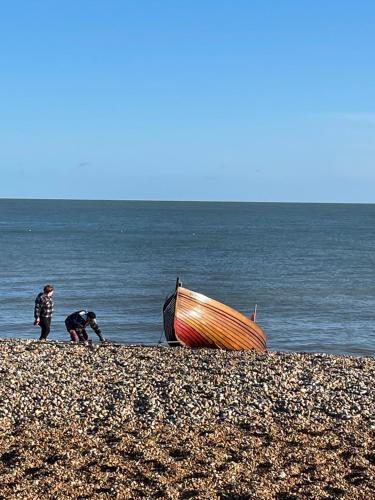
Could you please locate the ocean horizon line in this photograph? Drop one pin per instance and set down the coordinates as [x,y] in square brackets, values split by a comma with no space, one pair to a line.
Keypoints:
[140,200]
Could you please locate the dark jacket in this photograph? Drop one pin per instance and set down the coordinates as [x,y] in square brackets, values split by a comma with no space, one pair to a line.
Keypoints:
[78,321]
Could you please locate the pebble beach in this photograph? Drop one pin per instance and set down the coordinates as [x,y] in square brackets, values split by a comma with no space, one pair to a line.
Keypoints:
[112,421]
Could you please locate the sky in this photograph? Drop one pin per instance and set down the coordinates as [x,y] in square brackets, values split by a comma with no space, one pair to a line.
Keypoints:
[228,100]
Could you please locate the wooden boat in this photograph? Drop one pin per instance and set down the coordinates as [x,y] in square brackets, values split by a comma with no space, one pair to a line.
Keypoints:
[194,320]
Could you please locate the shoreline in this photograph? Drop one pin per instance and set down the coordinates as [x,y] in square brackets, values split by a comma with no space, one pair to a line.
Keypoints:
[114,421]
[358,353]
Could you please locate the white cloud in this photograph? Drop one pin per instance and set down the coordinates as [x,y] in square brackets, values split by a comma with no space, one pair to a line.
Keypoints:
[364,118]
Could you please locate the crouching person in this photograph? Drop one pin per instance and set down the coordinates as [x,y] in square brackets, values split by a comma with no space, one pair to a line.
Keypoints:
[77,322]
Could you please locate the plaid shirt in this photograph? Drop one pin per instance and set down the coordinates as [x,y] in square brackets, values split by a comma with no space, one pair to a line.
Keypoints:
[43,306]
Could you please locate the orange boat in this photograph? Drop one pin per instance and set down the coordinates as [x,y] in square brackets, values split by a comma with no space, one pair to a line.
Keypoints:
[194,320]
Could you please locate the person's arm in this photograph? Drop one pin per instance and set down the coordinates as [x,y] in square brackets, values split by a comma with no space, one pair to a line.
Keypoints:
[38,305]
[94,325]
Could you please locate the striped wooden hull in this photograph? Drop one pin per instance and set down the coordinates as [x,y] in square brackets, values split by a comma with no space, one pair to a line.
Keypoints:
[194,320]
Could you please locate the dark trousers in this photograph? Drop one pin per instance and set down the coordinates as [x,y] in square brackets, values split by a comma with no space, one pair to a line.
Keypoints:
[75,333]
[45,325]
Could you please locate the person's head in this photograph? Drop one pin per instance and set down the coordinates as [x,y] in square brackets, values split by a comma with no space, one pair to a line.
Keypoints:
[48,289]
[91,315]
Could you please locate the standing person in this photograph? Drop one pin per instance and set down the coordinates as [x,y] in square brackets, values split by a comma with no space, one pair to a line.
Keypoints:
[43,311]
[77,322]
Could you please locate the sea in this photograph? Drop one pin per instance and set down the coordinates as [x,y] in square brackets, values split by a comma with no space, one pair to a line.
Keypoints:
[310,268]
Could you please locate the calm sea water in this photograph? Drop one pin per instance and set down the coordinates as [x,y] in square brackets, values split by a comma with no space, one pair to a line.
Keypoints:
[310,267]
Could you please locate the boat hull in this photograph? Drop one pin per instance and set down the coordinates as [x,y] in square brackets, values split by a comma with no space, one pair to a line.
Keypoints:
[194,320]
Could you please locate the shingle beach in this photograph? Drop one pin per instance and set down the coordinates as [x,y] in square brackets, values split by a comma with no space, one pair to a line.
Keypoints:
[110,421]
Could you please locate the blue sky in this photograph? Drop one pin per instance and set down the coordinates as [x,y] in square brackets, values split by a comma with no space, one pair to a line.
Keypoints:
[199,100]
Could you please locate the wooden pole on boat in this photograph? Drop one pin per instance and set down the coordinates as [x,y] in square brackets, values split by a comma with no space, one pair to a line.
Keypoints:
[254,315]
